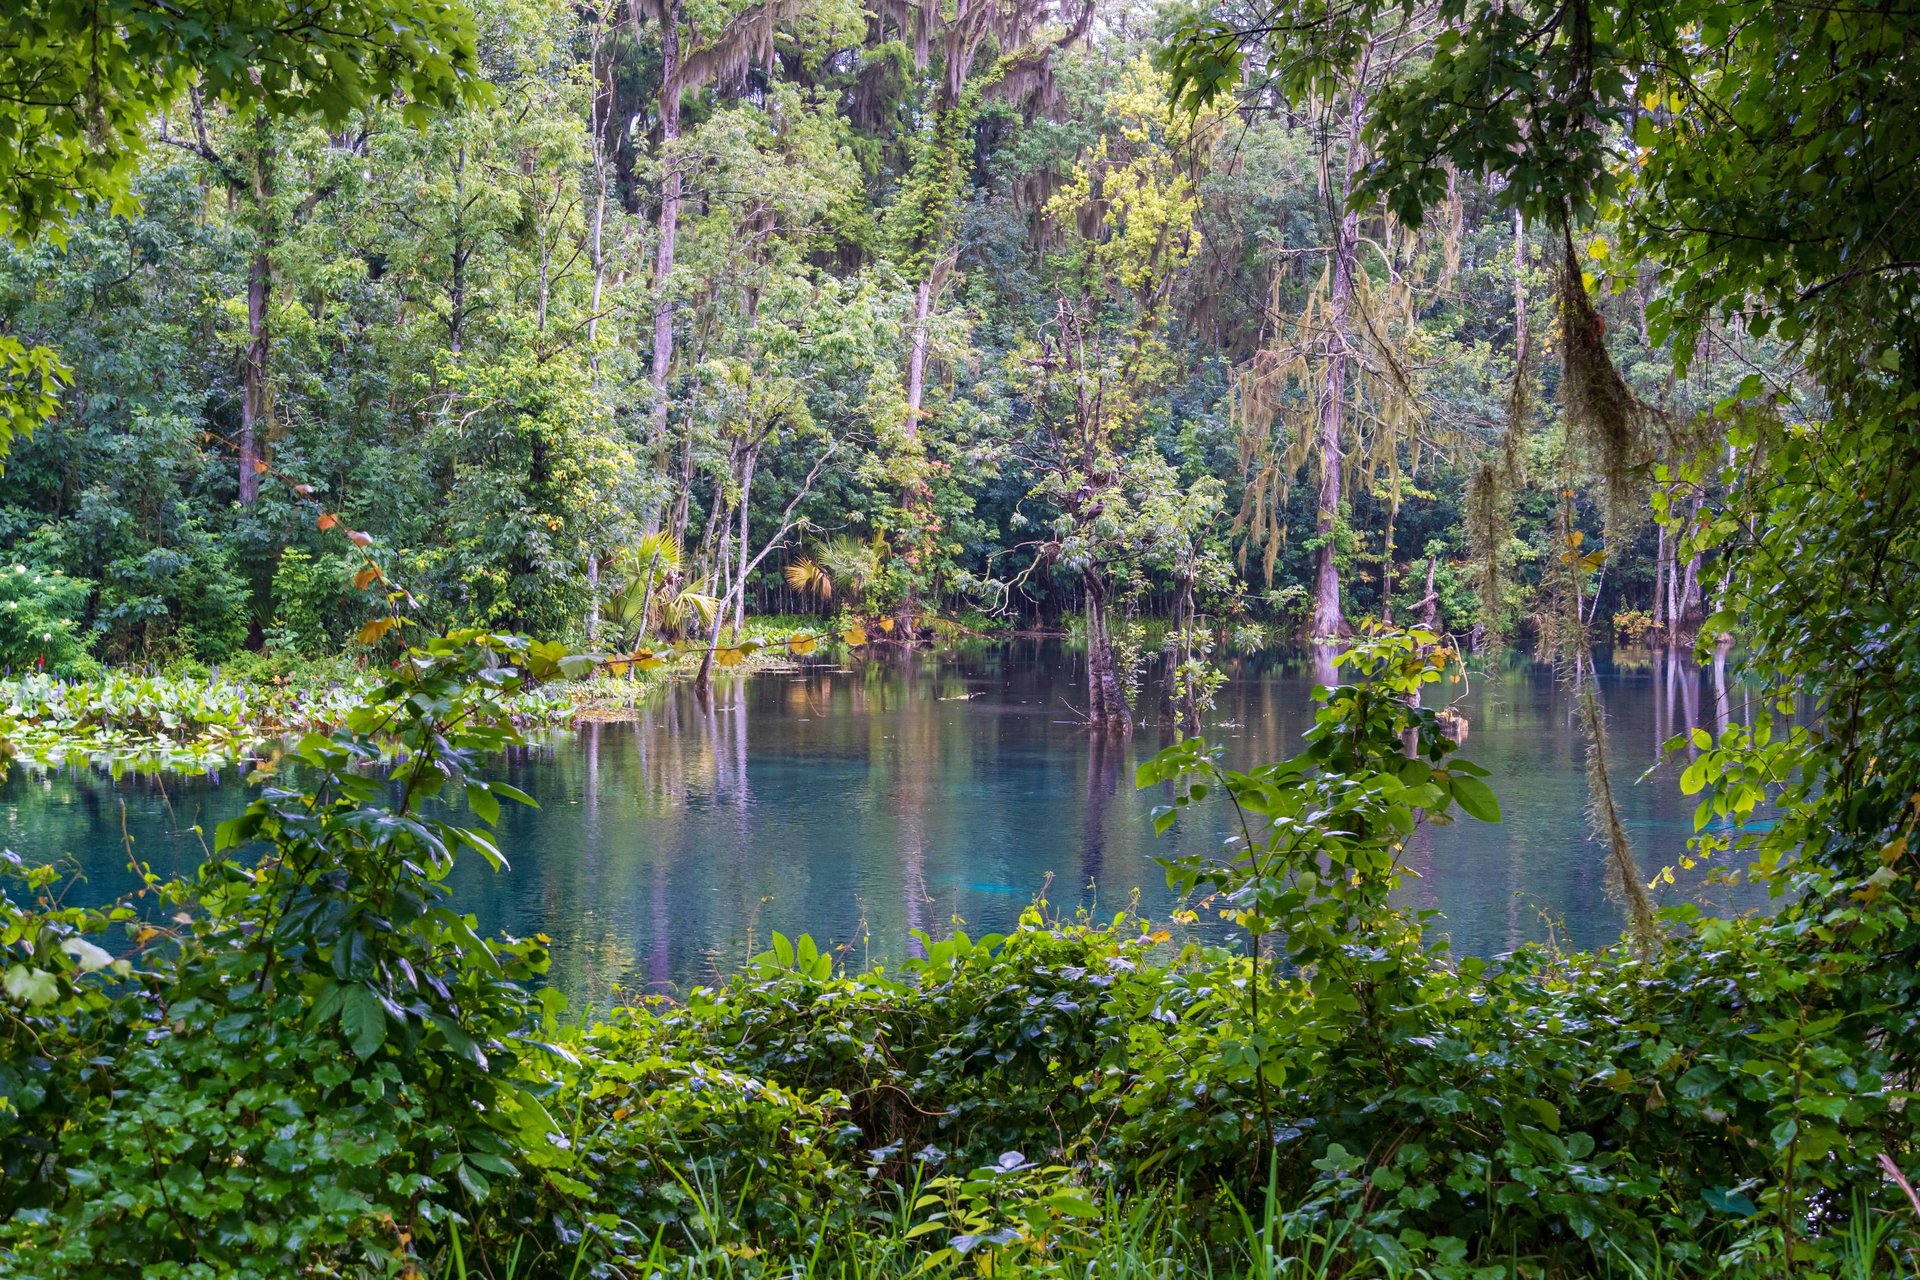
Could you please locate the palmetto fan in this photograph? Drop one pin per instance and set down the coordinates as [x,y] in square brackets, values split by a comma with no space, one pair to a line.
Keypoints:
[649,596]
[845,564]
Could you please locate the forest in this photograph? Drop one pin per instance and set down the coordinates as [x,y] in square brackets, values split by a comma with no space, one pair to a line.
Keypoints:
[389,385]
[884,315]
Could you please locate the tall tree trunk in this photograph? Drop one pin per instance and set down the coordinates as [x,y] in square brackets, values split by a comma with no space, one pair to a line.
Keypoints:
[253,375]
[678,520]
[1691,614]
[1660,582]
[670,86]
[917,356]
[1328,617]
[462,250]
[1519,289]
[1386,555]
[253,366]
[1673,587]
[746,549]
[602,178]
[1106,696]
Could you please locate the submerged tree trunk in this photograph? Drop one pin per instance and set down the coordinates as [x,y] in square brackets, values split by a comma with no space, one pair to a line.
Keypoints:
[1183,703]
[1106,694]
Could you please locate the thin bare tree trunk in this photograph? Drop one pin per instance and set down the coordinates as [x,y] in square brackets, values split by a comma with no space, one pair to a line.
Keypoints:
[1673,588]
[253,372]
[1660,581]
[1519,289]
[746,488]
[1690,615]
[1106,697]
[461,251]
[253,361]
[1328,617]
[917,356]
[1429,610]
[670,87]
[602,102]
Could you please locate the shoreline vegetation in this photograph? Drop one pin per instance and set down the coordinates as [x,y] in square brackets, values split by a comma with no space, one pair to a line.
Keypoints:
[352,1082]
[191,718]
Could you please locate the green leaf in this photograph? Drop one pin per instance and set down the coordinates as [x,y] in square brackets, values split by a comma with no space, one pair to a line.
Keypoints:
[33,987]
[1728,1200]
[364,1021]
[1074,1204]
[485,805]
[471,1178]
[1476,797]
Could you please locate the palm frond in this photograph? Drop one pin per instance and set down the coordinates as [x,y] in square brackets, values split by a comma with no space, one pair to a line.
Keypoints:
[805,574]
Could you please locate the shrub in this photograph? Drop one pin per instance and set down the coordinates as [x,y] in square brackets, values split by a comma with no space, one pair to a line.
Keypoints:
[40,621]
[313,601]
[1633,625]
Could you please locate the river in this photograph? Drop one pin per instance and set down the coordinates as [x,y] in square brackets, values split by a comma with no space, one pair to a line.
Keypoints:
[861,801]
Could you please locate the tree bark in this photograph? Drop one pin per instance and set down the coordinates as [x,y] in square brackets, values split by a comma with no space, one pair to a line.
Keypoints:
[1690,615]
[1328,617]
[1660,581]
[602,179]
[1106,697]
[670,87]
[253,376]
[462,250]
[1519,290]
[746,489]
[917,356]
[1429,610]
[253,365]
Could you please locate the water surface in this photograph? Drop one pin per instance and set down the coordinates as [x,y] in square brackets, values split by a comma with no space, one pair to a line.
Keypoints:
[859,802]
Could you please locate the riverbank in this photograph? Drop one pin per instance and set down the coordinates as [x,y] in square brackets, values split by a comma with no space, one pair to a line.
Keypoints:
[191,718]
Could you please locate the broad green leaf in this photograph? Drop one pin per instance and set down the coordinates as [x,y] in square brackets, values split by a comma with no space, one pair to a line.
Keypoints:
[1476,798]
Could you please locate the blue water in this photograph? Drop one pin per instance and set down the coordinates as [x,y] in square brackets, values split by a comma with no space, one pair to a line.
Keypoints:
[859,802]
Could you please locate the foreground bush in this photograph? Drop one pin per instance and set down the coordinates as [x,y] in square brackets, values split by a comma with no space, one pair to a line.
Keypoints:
[306,1062]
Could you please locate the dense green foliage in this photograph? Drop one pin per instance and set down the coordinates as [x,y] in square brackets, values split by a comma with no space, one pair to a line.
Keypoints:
[989,313]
